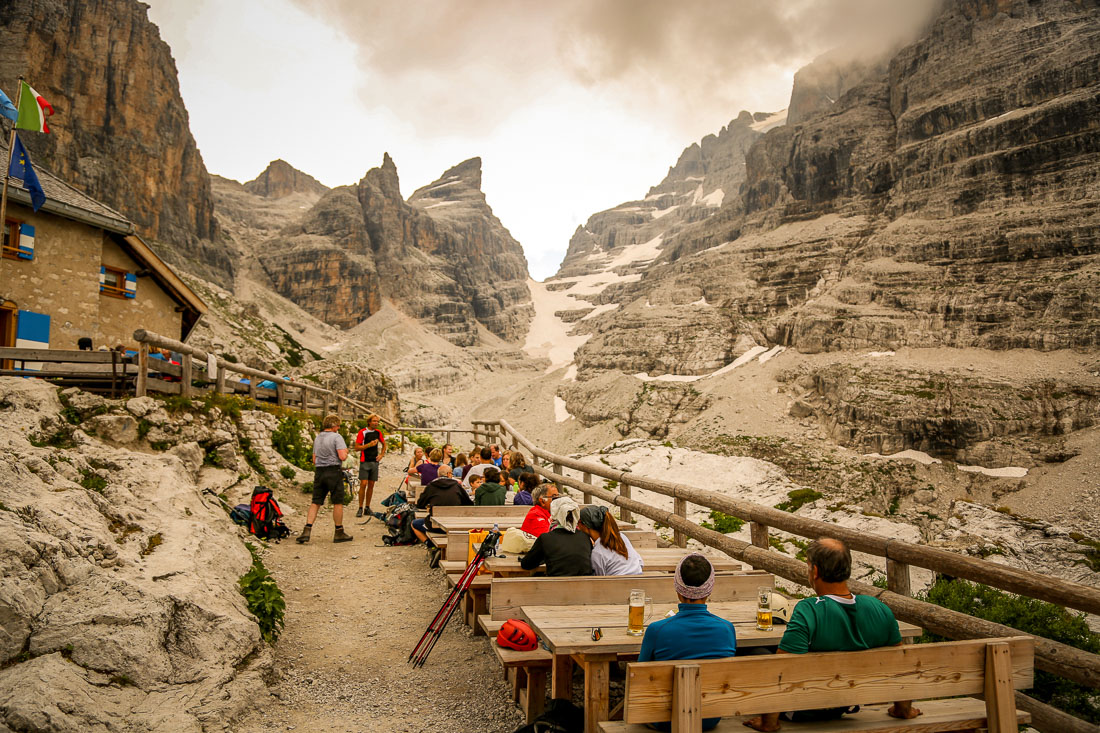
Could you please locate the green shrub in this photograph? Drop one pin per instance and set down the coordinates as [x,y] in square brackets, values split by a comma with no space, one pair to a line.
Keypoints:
[286,472]
[798,498]
[307,487]
[210,457]
[263,597]
[1032,617]
[424,440]
[724,523]
[288,442]
[92,481]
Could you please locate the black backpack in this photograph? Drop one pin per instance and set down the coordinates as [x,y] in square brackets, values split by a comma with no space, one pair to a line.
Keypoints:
[266,521]
[399,521]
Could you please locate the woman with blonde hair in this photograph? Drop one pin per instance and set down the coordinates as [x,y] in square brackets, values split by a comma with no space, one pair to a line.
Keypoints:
[612,553]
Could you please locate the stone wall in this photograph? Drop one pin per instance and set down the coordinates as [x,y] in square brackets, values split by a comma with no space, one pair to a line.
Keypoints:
[62,281]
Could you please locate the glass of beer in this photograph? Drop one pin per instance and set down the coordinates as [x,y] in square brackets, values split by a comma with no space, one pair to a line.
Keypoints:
[764,608]
[639,611]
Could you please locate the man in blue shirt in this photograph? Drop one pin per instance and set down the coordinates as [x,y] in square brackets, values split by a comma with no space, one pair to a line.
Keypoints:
[694,632]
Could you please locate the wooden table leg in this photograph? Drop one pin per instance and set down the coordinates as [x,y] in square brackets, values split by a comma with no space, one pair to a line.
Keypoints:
[480,605]
[562,677]
[535,698]
[597,681]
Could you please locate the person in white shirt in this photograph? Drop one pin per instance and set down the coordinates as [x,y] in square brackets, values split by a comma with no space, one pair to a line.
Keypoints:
[612,553]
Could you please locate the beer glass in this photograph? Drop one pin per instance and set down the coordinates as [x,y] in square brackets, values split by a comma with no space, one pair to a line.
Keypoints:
[764,608]
[639,611]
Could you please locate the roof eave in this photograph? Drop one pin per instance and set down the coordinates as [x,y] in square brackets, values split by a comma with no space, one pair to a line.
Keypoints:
[118,226]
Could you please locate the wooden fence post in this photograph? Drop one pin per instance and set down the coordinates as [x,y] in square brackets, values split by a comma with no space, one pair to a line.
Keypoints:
[185,375]
[326,403]
[678,536]
[897,577]
[624,491]
[557,470]
[759,534]
[587,479]
[219,384]
[142,384]
[280,394]
[252,393]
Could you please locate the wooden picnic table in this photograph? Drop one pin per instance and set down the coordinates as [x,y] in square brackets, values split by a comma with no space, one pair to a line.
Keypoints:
[659,559]
[567,631]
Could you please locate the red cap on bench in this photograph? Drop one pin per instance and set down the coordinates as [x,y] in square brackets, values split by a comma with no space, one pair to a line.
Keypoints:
[516,634]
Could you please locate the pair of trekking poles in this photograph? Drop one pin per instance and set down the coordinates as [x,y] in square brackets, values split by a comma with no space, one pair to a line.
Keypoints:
[424,647]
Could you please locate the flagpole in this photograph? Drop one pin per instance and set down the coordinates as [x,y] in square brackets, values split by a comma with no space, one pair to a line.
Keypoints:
[7,166]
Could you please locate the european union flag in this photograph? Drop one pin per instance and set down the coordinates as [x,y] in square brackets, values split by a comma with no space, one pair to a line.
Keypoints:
[21,169]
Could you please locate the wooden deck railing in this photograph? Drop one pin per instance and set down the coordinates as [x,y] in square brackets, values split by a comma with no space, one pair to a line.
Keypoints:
[193,367]
[1051,656]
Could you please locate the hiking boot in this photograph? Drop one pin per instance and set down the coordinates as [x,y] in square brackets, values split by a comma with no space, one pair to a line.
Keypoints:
[304,536]
[341,536]
[359,513]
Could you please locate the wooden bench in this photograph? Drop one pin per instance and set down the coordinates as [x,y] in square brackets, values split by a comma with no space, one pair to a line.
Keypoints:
[640,538]
[527,670]
[685,692]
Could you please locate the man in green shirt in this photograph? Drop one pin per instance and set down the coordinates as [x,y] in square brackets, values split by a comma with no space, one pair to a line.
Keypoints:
[836,620]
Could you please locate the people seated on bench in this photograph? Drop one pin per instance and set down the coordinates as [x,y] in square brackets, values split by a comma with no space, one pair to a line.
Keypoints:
[694,632]
[612,553]
[537,520]
[478,466]
[490,493]
[564,550]
[444,491]
[461,464]
[416,460]
[835,621]
[527,484]
[428,471]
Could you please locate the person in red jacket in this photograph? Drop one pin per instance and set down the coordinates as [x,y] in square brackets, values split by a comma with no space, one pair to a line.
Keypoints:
[537,520]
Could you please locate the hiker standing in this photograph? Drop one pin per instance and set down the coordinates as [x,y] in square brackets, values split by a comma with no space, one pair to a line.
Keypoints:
[329,451]
[373,447]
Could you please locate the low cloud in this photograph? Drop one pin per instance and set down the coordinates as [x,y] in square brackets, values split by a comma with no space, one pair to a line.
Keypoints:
[465,65]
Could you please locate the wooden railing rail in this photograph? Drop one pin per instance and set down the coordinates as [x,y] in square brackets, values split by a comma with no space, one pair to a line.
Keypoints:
[327,399]
[1051,656]
[1055,590]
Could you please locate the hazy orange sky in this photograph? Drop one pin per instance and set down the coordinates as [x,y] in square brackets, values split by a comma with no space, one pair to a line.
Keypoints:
[574,106]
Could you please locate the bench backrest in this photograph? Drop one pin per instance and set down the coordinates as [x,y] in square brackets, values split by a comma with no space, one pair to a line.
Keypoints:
[508,510]
[641,538]
[783,682]
[509,595]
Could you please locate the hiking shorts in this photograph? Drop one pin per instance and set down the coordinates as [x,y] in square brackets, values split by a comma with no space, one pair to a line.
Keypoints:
[328,481]
[368,470]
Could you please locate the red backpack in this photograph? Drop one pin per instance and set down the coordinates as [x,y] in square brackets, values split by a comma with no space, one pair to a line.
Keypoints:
[516,634]
[266,521]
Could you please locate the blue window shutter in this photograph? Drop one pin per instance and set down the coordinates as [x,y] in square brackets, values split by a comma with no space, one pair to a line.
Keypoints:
[102,278]
[32,331]
[131,285]
[26,242]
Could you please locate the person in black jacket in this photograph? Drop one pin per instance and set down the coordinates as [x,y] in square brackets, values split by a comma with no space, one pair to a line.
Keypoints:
[443,491]
[564,550]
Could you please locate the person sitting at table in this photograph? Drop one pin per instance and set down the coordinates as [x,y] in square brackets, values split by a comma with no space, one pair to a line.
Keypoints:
[612,553]
[490,493]
[694,632]
[528,482]
[461,463]
[564,550]
[537,520]
[444,491]
[477,468]
[835,621]
[429,469]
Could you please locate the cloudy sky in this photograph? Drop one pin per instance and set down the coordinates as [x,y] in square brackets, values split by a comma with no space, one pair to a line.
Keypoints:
[573,106]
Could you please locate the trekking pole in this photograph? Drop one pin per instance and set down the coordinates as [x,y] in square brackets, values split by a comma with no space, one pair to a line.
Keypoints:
[221,501]
[452,599]
[420,653]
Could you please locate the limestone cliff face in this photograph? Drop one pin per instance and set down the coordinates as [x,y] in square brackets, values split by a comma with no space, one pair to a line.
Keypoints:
[947,198]
[120,132]
[441,257]
[281,179]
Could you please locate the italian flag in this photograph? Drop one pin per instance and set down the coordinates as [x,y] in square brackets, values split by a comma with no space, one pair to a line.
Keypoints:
[33,110]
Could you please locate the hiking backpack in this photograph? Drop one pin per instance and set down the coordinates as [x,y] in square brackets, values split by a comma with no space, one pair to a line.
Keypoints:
[266,521]
[399,521]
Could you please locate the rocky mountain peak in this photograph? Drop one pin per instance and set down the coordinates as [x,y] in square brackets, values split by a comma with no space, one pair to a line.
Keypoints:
[282,179]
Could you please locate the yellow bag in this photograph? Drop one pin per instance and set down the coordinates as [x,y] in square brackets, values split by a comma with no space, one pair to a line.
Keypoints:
[476,538]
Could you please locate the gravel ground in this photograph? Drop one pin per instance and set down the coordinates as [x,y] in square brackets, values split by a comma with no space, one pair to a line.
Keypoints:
[354,612]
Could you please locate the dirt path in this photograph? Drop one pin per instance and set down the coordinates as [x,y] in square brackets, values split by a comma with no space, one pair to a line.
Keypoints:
[354,612]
